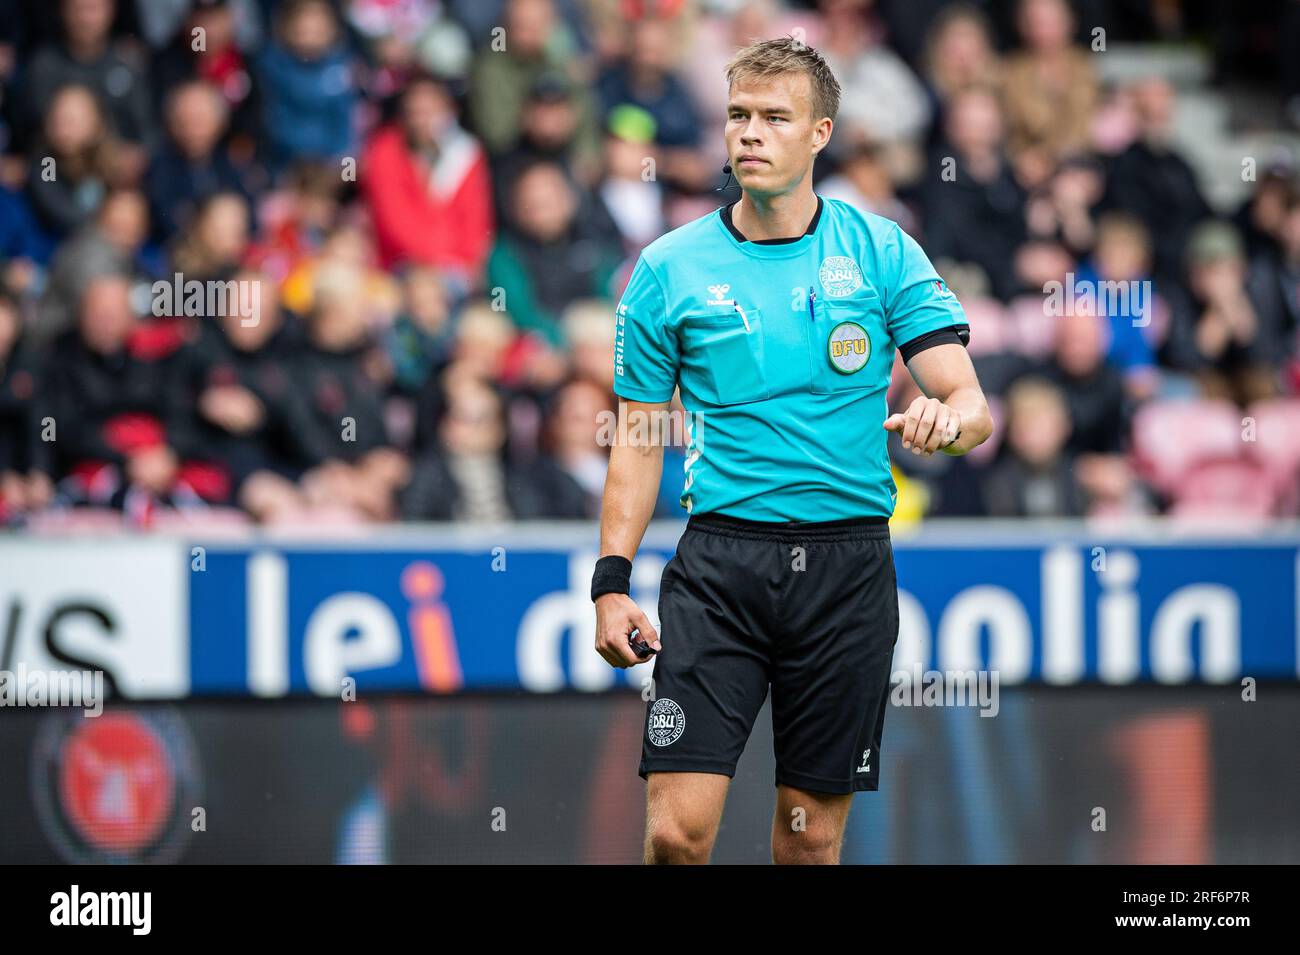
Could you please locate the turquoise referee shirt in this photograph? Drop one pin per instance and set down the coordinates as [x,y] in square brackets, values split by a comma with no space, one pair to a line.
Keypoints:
[783,351]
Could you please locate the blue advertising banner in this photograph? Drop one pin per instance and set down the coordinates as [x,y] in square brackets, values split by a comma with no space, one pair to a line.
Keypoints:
[444,611]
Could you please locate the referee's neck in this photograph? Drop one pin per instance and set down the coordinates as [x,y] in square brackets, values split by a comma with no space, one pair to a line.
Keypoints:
[775,217]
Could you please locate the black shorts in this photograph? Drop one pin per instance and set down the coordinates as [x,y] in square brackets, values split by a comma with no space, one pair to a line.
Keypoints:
[810,609]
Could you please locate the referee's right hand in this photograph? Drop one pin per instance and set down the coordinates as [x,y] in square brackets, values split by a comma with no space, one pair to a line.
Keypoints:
[617,615]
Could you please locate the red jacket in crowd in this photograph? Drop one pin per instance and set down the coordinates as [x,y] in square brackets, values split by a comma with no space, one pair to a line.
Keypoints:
[439,216]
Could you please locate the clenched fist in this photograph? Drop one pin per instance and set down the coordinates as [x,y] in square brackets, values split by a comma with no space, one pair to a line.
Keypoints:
[928,426]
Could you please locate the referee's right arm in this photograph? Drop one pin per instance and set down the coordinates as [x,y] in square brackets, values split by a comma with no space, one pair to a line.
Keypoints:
[636,463]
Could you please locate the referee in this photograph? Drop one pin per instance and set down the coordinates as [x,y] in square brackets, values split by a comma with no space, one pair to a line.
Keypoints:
[777,317]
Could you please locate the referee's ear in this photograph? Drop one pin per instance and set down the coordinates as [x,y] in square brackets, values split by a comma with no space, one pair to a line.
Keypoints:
[830,126]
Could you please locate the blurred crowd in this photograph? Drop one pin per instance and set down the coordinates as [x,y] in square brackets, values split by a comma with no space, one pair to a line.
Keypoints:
[438,202]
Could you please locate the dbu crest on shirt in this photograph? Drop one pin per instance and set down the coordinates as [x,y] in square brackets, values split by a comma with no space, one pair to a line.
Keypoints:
[840,276]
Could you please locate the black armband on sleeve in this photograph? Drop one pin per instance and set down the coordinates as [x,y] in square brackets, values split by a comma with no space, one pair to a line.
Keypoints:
[613,576]
[952,335]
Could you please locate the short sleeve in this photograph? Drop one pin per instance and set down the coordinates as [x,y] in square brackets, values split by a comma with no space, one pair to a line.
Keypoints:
[646,355]
[918,302]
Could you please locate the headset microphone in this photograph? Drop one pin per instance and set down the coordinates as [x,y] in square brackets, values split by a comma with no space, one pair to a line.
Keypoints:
[726,168]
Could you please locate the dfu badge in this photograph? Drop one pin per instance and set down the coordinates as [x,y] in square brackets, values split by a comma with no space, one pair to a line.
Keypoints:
[848,347]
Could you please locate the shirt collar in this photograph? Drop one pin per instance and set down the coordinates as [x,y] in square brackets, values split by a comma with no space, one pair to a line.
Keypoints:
[739,237]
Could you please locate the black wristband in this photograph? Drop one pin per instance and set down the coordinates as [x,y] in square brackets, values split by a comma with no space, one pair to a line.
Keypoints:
[613,576]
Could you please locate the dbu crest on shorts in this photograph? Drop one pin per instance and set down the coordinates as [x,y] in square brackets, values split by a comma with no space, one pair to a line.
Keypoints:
[667,723]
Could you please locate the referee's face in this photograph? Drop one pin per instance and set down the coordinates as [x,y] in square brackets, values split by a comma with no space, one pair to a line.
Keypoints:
[771,134]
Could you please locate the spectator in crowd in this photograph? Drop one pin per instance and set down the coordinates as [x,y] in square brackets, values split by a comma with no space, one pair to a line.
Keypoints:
[1066,205]
[468,477]
[632,201]
[882,99]
[484,336]
[547,255]
[1218,333]
[1034,476]
[1098,407]
[1259,218]
[191,165]
[212,45]
[974,208]
[646,77]
[1151,180]
[959,53]
[307,78]
[215,242]
[163,21]
[503,73]
[1038,264]
[427,184]
[112,244]
[25,465]
[348,246]
[714,38]
[862,178]
[551,128]
[336,414]
[420,340]
[24,246]
[75,162]
[107,395]
[481,343]
[1276,278]
[590,335]
[296,222]
[1119,277]
[572,438]
[1051,87]
[86,56]
[235,376]
[404,38]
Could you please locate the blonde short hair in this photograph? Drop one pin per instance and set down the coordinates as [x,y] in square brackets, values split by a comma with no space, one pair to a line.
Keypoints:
[789,55]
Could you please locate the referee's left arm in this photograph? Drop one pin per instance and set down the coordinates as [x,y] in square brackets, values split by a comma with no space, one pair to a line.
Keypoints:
[930,326]
[952,416]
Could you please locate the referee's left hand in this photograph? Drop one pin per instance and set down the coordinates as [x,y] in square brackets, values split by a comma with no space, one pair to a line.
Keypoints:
[928,425]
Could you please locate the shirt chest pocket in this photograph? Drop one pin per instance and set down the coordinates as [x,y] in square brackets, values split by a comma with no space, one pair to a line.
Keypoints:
[845,345]
[722,351]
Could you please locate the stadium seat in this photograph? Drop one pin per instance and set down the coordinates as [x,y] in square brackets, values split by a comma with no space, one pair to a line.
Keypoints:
[1172,437]
[1275,444]
[75,520]
[1239,489]
[207,520]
